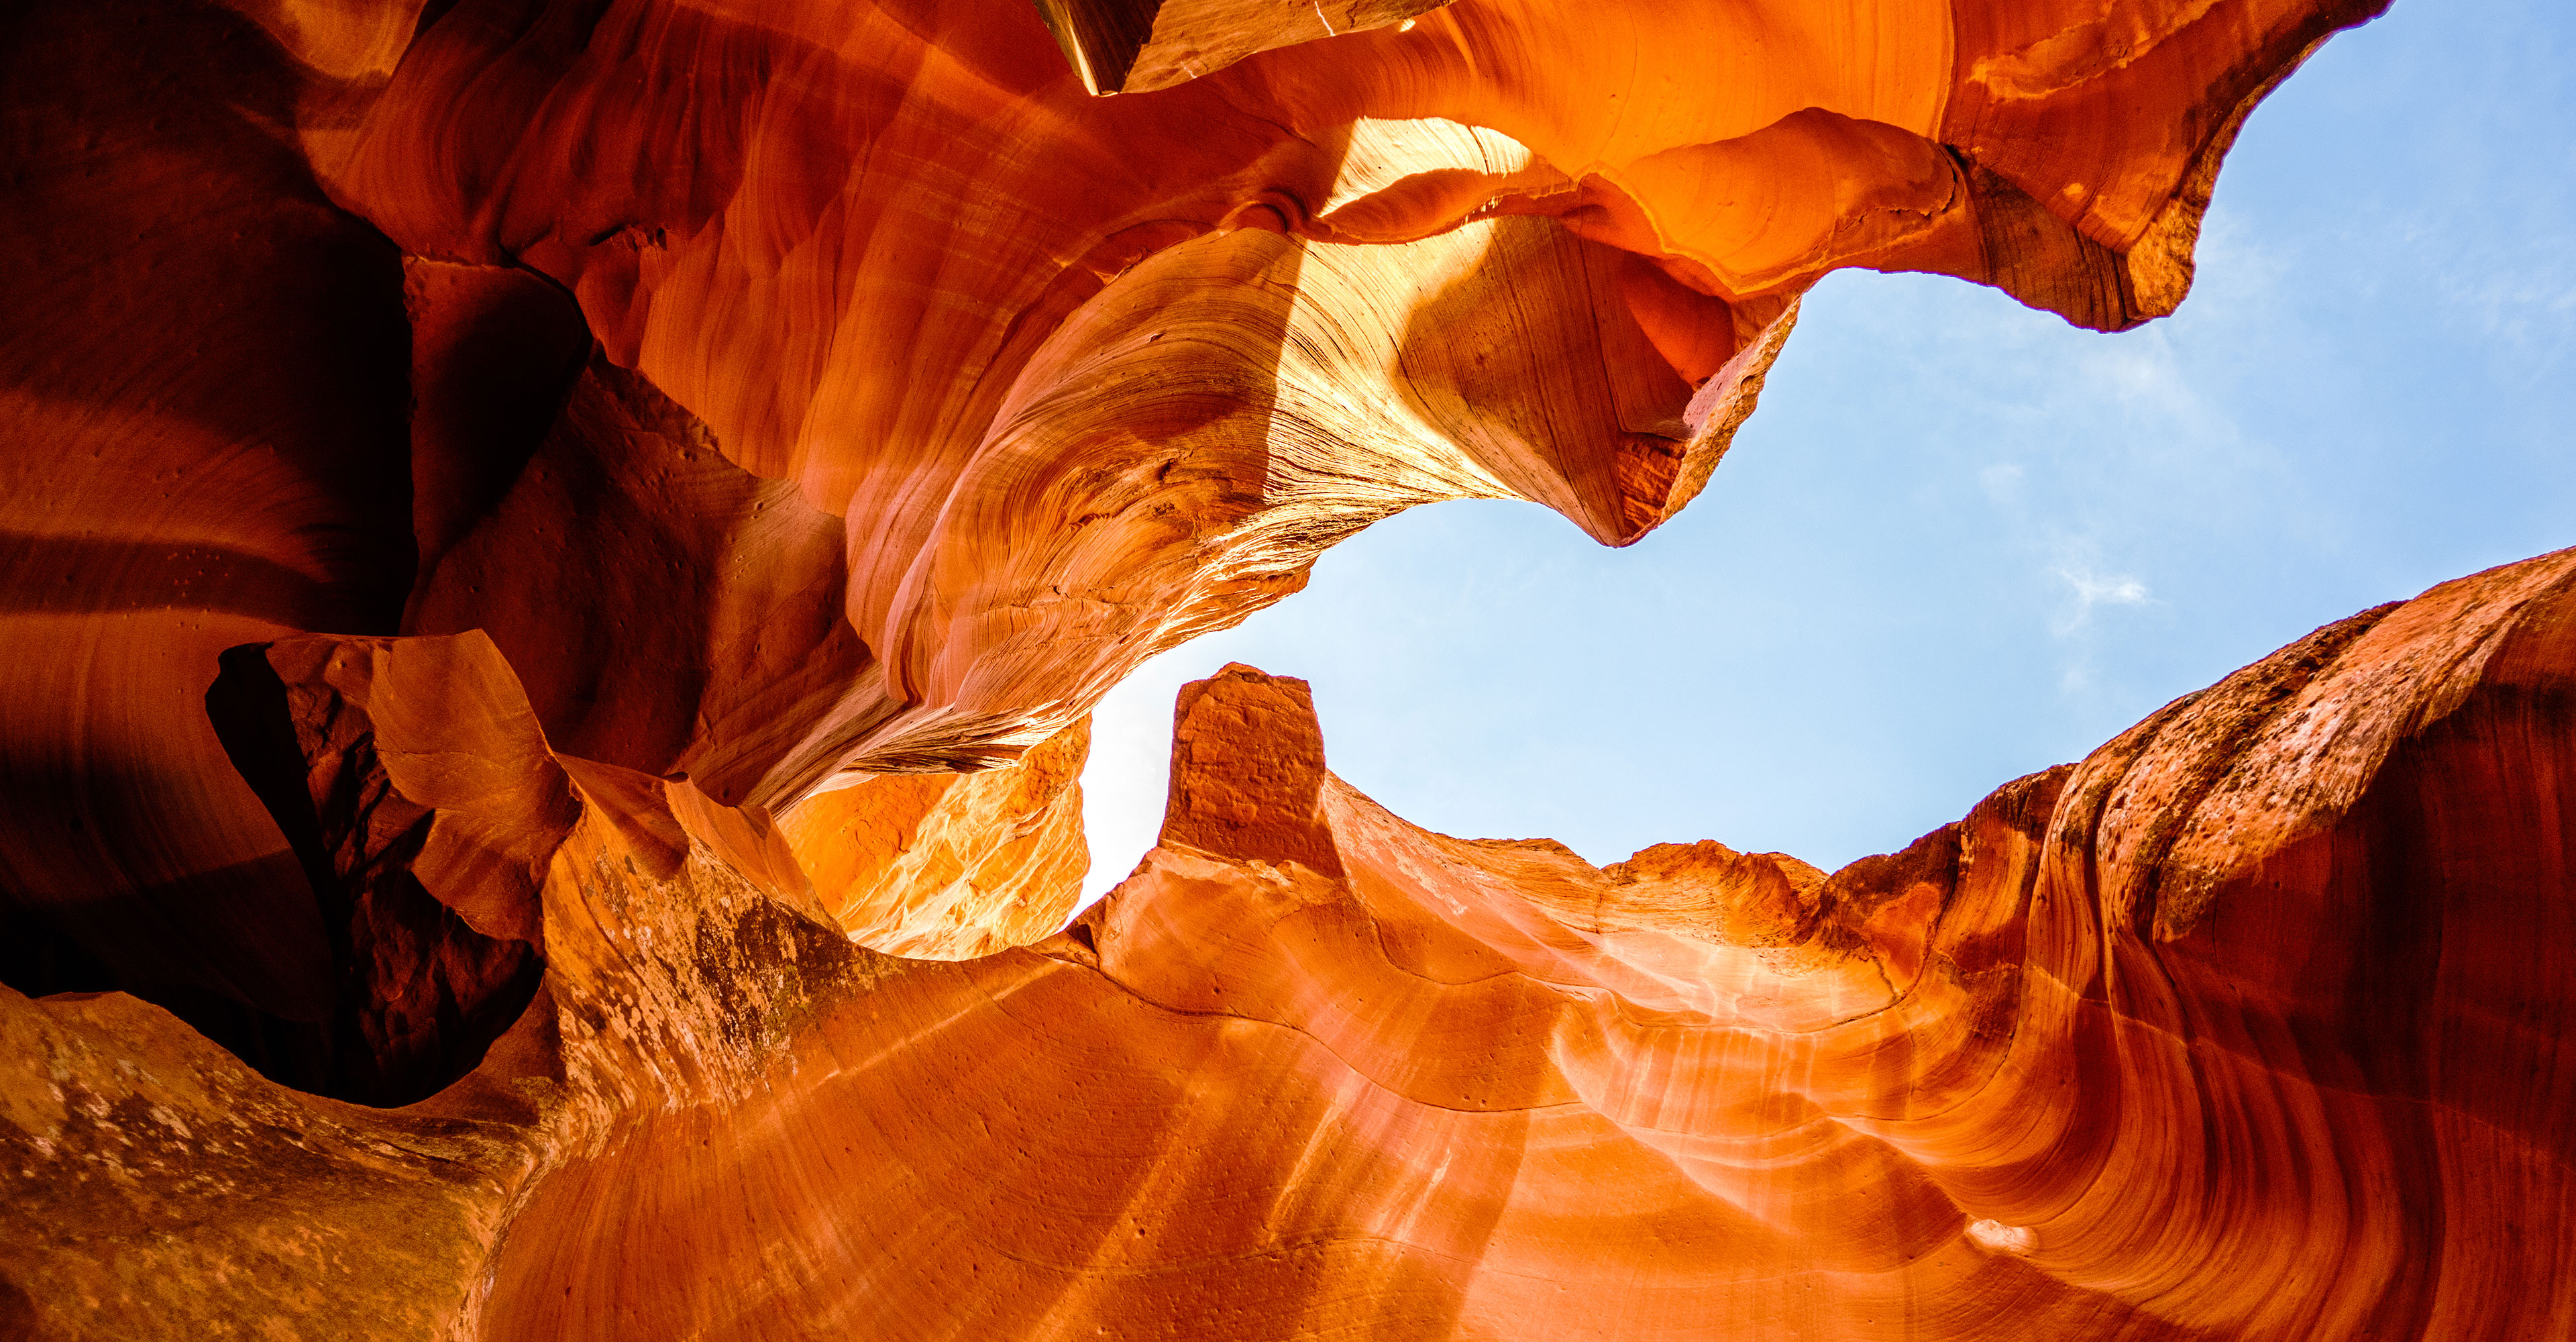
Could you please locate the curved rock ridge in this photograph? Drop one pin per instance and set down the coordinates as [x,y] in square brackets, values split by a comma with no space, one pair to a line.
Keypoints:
[1082,377]
[560,550]
[795,390]
[2283,975]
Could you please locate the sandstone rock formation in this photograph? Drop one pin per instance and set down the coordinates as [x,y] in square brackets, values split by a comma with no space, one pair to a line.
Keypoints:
[790,388]
[949,866]
[559,554]
[2282,974]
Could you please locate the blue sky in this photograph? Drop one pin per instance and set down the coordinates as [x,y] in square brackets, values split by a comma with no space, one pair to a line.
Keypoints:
[1962,540]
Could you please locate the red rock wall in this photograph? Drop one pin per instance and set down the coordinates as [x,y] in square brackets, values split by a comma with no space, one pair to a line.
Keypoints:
[929,393]
[481,460]
[2066,1066]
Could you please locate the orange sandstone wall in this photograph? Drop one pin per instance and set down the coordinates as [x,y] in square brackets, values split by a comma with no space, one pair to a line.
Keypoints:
[2279,976]
[796,388]
[557,559]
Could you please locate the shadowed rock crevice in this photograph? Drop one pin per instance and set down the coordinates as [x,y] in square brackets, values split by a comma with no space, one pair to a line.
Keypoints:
[422,990]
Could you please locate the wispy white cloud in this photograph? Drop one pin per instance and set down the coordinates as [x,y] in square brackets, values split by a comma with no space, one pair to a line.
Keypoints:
[2091,589]
[2101,589]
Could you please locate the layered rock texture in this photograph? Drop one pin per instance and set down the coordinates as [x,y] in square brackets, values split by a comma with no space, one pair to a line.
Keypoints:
[2281,975]
[559,554]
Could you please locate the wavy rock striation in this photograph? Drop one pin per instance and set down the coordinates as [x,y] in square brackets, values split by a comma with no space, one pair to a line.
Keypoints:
[560,553]
[793,389]
[2283,973]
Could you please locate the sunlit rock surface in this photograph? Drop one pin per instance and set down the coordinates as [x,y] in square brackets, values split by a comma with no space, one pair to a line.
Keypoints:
[2280,975]
[557,557]
[949,866]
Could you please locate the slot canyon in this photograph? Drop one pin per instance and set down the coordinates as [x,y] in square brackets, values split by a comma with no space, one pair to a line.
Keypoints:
[558,559]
